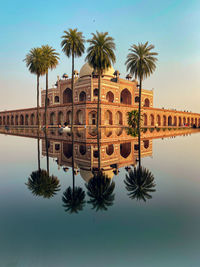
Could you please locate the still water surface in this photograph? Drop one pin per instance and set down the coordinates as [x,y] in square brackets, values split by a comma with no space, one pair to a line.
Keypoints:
[163,231]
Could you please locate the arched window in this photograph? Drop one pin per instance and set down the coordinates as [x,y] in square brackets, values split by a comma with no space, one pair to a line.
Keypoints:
[108,117]
[152,119]
[179,121]
[52,118]
[60,118]
[126,97]
[169,121]
[82,96]
[125,149]
[69,117]
[110,97]
[82,149]
[95,92]
[67,150]
[175,121]
[56,99]
[158,120]
[146,144]
[92,117]
[145,119]
[26,119]
[79,117]
[164,120]
[0,120]
[118,118]
[12,120]
[21,119]
[184,120]
[8,120]
[16,120]
[67,96]
[146,102]
[4,120]
[109,150]
[137,99]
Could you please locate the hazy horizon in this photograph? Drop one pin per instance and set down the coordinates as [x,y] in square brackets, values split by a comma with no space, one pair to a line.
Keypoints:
[173,27]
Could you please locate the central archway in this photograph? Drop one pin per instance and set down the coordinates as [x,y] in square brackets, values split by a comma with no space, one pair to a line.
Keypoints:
[67,96]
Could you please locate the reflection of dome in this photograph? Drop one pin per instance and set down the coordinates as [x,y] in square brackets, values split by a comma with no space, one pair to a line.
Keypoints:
[86,70]
[86,175]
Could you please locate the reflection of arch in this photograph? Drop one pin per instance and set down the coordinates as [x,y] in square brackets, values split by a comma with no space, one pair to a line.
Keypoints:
[199,123]
[60,118]
[125,149]
[26,119]
[69,117]
[79,117]
[0,120]
[192,121]
[170,121]
[56,99]
[118,118]
[67,96]
[16,120]
[188,121]
[196,121]
[137,99]
[92,117]
[152,120]
[110,96]
[95,92]
[21,119]
[82,149]
[158,120]
[145,119]
[108,117]
[67,150]
[4,120]
[126,97]
[184,120]
[175,121]
[146,144]
[52,118]
[109,150]
[179,121]
[146,102]
[164,120]
[119,131]
[82,96]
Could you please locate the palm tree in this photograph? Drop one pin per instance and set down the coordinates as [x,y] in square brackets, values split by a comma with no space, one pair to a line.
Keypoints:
[141,62]
[73,45]
[140,183]
[35,63]
[41,184]
[100,190]
[51,61]
[73,199]
[100,57]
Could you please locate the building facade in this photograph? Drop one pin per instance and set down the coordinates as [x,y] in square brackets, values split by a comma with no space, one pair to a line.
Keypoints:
[118,96]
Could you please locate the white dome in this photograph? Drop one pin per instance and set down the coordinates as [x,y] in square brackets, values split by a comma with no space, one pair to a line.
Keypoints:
[86,70]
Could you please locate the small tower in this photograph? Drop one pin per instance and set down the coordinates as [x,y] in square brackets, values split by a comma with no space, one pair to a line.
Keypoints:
[65,76]
[129,76]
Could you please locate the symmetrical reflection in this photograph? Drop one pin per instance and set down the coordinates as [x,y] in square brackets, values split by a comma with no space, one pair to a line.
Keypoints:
[99,158]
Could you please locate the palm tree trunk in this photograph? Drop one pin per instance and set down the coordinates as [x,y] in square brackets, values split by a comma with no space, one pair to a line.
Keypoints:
[46,99]
[73,176]
[38,117]
[47,151]
[72,86]
[139,122]
[98,120]
[38,149]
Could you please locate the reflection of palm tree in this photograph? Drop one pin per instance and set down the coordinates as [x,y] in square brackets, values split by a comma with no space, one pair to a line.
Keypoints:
[100,190]
[42,184]
[73,199]
[140,183]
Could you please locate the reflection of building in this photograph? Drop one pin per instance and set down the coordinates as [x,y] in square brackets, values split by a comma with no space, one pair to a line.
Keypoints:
[118,96]
[117,149]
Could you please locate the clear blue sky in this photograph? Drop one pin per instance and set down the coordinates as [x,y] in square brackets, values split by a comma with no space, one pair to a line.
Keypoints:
[172,26]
